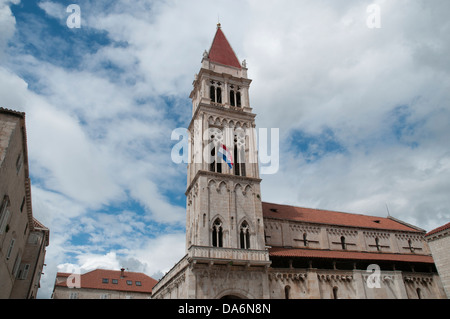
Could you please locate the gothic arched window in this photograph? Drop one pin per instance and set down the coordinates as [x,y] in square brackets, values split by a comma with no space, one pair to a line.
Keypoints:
[232,99]
[212,93]
[219,95]
[238,99]
[215,140]
[215,92]
[245,236]
[217,233]
[235,96]
[216,165]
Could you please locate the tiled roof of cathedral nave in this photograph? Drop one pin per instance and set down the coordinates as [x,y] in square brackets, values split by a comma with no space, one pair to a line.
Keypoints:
[320,216]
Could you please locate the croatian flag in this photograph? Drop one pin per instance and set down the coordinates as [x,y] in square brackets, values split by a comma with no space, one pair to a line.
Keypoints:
[226,155]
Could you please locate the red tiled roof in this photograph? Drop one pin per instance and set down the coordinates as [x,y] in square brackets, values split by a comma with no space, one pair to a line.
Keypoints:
[441,228]
[221,51]
[319,216]
[354,255]
[94,280]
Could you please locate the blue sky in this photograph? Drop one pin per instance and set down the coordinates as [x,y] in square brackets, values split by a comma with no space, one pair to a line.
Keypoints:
[363,114]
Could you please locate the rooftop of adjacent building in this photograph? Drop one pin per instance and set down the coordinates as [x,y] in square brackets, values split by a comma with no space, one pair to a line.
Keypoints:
[116,280]
[438,229]
[5,113]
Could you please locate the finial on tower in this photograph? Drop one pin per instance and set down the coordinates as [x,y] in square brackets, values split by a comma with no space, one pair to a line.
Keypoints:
[218,22]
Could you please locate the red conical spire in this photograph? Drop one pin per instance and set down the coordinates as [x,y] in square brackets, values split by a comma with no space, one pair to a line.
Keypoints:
[221,51]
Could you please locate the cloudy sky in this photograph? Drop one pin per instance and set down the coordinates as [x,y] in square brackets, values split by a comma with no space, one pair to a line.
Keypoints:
[363,113]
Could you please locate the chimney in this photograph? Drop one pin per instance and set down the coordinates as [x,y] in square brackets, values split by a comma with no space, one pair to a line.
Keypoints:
[122,272]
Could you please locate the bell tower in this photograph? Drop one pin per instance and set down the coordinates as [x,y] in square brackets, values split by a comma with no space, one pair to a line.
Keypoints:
[226,256]
[224,213]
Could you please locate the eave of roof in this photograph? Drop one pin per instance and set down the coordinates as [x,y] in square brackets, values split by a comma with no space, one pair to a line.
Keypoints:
[353,255]
[437,230]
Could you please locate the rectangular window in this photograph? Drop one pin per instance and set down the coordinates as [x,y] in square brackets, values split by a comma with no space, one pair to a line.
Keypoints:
[73,295]
[34,239]
[4,214]
[129,282]
[19,163]
[23,271]
[11,246]
[105,280]
[115,281]
[16,265]
[4,218]
[138,283]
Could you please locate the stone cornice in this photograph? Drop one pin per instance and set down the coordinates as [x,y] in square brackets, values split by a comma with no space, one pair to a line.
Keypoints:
[220,110]
[221,176]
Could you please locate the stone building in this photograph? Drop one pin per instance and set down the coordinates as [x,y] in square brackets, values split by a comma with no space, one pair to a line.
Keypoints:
[103,284]
[23,239]
[240,247]
[439,241]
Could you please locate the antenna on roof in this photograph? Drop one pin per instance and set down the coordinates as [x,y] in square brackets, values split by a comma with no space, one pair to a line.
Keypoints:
[387,208]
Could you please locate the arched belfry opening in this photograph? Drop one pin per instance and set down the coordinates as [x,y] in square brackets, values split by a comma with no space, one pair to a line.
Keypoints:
[217,233]
[244,235]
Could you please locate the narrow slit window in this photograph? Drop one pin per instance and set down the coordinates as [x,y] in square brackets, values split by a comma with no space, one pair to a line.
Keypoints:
[212,93]
[343,242]
[232,100]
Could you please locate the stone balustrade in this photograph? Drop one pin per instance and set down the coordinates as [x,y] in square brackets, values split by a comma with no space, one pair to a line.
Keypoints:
[228,255]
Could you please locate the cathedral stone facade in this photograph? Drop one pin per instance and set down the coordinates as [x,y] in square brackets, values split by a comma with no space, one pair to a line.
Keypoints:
[240,247]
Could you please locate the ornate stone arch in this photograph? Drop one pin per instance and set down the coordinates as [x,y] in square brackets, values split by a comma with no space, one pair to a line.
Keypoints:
[247,190]
[222,184]
[234,293]
[211,183]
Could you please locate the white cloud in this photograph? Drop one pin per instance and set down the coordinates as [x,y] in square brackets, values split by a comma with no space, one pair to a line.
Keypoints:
[7,25]
[53,9]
